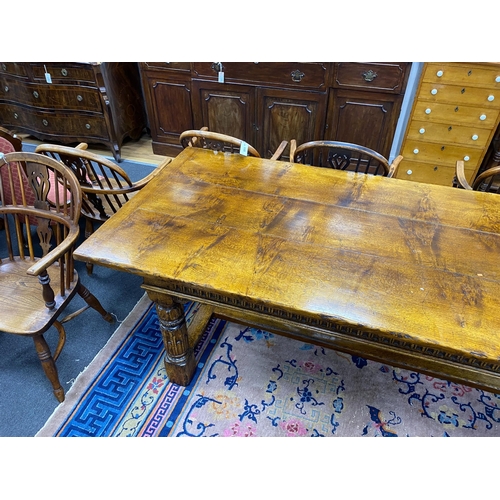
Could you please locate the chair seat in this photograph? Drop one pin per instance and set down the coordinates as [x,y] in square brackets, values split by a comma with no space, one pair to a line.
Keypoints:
[23,309]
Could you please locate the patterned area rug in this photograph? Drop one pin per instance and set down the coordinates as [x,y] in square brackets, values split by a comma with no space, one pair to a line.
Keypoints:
[252,383]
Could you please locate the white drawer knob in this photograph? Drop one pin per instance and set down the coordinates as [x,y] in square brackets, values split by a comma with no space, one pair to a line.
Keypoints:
[482,118]
[422,130]
[415,151]
[491,98]
[434,91]
[409,172]
[428,111]
[475,137]
[497,79]
[466,158]
[439,74]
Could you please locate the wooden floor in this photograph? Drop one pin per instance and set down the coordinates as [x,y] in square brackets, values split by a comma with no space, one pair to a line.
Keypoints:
[140,150]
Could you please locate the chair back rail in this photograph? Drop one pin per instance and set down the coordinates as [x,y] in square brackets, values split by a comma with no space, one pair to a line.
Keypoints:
[343,156]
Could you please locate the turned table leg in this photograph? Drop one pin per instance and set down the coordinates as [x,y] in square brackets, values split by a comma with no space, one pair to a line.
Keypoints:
[180,362]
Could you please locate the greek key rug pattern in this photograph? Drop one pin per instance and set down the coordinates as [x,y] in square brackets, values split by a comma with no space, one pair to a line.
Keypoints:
[251,383]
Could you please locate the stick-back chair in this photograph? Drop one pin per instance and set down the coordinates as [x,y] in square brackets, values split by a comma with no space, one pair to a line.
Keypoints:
[205,139]
[10,143]
[106,187]
[343,156]
[487,181]
[37,273]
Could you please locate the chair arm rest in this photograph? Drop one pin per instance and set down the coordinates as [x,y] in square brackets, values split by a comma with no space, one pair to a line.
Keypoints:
[293,148]
[460,173]
[61,249]
[277,154]
[136,186]
[393,167]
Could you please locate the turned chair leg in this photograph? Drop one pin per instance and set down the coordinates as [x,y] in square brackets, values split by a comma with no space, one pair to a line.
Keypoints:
[49,366]
[94,303]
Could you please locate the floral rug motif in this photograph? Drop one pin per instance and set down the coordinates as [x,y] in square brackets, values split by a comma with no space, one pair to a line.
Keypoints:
[251,383]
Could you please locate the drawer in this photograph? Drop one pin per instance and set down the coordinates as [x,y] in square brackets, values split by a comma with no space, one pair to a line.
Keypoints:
[54,124]
[442,154]
[432,174]
[14,69]
[460,95]
[184,67]
[448,134]
[306,75]
[467,74]
[388,77]
[451,114]
[64,72]
[51,96]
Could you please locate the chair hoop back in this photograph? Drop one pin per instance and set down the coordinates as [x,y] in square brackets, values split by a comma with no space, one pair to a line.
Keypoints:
[341,156]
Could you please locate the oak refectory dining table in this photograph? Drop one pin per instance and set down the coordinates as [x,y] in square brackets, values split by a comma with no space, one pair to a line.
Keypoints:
[401,272]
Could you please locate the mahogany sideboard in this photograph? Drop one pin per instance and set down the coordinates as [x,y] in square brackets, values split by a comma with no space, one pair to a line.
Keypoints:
[71,102]
[265,103]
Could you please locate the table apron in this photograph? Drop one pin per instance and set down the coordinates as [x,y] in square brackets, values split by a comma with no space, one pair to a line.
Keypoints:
[354,340]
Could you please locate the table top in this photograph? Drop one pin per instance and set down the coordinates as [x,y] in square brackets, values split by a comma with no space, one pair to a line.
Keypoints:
[408,260]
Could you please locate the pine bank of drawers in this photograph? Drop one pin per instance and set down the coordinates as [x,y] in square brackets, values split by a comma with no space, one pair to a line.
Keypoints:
[454,116]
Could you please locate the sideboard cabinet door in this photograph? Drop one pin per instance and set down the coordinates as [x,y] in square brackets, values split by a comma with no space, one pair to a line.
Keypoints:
[225,109]
[365,118]
[285,115]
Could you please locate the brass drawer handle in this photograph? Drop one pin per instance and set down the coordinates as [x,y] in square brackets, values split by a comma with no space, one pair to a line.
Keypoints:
[369,75]
[64,72]
[35,94]
[297,76]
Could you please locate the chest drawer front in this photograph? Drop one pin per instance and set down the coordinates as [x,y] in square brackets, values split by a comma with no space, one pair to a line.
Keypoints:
[449,134]
[460,95]
[437,173]
[444,154]
[463,74]
[51,96]
[452,114]
[14,69]
[64,72]
[304,75]
[370,76]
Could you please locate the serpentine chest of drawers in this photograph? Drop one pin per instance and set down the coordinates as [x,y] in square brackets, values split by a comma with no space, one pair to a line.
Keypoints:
[454,117]
[73,102]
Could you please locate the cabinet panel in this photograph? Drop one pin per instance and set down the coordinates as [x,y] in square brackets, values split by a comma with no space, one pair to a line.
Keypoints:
[226,109]
[363,118]
[169,111]
[285,115]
